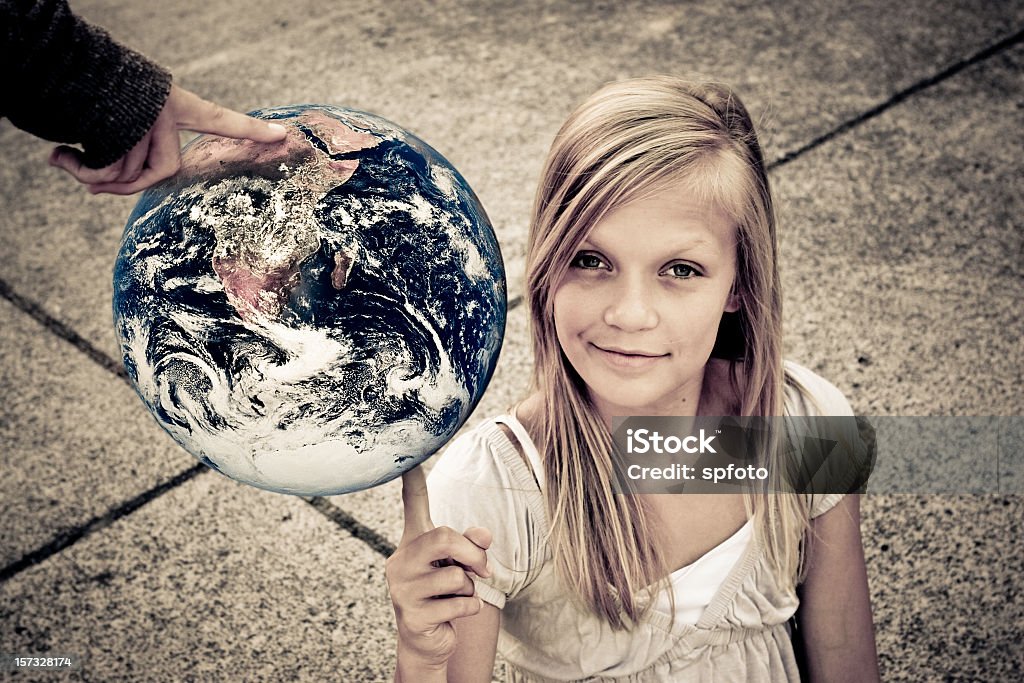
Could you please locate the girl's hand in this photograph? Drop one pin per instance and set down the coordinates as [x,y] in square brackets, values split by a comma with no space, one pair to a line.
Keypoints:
[429,580]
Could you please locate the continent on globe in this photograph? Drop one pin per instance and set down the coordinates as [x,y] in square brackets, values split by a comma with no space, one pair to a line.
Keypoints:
[314,316]
[259,280]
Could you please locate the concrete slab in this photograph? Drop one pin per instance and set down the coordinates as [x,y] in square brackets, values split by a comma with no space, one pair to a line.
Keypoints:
[814,55]
[61,243]
[210,582]
[75,444]
[488,86]
[1011,455]
[945,579]
[901,252]
[901,246]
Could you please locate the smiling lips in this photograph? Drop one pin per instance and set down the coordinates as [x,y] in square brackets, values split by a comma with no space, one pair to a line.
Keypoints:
[627,358]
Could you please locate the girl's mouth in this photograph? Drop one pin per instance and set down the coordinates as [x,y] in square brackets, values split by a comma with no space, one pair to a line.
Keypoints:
[628,358]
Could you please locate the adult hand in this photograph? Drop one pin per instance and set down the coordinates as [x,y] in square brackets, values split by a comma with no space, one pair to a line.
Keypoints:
[158,154]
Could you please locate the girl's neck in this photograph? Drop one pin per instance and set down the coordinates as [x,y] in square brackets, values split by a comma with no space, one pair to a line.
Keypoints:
[719,395]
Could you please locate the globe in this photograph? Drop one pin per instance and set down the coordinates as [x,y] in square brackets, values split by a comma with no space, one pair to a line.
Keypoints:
[314,316]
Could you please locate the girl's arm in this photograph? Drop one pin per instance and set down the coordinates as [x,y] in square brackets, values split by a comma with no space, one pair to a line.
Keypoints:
[445,632]
[473,641]
[473,660]
[835,609]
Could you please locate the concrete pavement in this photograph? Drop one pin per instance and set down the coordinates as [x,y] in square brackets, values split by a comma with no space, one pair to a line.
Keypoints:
[895,135]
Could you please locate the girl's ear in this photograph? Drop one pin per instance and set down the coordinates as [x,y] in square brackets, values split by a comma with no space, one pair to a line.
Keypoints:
[732,304]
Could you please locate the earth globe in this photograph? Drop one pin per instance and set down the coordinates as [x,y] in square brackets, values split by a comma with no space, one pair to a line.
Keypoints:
[314,316]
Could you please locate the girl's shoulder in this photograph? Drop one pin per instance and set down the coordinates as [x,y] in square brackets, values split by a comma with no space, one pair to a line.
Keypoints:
[484,456]
[808,393]
[481,480]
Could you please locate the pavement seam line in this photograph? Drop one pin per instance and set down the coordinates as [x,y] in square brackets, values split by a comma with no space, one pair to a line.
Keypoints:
[900,97]
[68,537]
[62,330]
[374,540]
[377,541]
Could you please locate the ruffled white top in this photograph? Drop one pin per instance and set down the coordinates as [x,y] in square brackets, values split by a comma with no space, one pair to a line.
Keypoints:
[697,583]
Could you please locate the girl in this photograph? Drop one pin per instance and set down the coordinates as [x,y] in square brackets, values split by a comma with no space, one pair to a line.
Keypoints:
[652,290]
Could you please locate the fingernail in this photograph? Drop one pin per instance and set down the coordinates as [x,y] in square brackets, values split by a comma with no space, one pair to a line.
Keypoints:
[277,128]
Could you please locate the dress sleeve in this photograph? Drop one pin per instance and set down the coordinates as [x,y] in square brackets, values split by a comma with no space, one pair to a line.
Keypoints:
[814,396]
[65,80]
[476,482]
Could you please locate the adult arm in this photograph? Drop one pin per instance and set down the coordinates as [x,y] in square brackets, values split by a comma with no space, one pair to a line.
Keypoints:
[65,80]
[158,154]
[834,618]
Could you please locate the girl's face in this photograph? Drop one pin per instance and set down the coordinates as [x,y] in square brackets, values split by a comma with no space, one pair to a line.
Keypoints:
[638,311]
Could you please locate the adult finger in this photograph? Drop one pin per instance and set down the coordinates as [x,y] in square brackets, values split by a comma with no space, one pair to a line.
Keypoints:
[163,161]
[72,161]
[135,160]
[199,115]
[415,505]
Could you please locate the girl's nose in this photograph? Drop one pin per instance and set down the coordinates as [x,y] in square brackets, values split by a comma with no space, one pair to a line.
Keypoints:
[631,309]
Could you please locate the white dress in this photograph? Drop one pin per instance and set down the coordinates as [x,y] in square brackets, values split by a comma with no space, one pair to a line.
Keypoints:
[740,632]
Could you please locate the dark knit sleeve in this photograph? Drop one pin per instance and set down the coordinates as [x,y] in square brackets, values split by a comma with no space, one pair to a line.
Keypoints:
[65,80]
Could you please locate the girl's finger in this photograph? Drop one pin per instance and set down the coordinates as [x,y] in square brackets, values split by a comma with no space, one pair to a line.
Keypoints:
[415,505]
[479,536]
[449,581]
[444,546]
[449,609]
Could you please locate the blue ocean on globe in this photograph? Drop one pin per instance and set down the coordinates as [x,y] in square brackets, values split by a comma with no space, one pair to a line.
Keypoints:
[314,316]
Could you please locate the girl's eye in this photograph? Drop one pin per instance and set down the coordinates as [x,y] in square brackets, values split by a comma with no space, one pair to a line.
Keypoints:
[683,270]
[588,261]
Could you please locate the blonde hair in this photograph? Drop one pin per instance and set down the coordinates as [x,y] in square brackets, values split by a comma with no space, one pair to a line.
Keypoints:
[629,140]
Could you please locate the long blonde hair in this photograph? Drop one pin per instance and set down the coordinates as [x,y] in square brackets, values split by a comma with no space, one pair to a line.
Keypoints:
[628,140]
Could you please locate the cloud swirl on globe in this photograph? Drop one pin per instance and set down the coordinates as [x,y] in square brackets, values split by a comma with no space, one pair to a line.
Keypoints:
[316,316]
